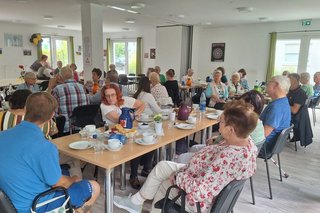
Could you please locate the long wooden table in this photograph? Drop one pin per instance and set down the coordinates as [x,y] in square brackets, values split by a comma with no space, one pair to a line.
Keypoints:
[109,160]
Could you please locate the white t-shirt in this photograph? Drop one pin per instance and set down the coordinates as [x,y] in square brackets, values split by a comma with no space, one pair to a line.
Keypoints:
[151,106]
[105,109]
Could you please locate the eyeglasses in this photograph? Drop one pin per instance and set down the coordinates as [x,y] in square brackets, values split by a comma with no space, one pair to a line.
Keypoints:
[111,95]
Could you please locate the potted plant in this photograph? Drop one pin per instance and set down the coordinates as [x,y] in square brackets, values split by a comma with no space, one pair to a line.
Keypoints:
[158,123]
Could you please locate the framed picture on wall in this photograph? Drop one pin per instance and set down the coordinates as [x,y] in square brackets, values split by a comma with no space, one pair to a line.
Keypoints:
[152,53]
[217,52]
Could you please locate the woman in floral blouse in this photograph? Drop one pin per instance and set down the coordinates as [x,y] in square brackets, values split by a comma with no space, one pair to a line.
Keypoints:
[157,90]
[217,91]
[209,170]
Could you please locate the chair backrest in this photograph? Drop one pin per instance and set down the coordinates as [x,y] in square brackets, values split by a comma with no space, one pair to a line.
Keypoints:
[123,79]
[6,204]
[228,197]
[84,115]
[281,140]
[60,122]
[44,85]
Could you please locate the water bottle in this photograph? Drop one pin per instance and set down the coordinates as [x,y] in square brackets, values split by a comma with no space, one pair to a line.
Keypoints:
[203,103]
[256,86]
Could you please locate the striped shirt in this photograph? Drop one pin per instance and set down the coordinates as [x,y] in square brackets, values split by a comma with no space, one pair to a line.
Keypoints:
[69,95]
[9,120]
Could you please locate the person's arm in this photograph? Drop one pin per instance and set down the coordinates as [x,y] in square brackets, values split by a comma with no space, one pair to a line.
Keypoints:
[153,104]
[66,181]
[267,130]
[139,107]
[113,116]
[295,108]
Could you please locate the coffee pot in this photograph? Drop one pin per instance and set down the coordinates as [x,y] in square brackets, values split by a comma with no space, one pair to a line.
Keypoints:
[126,118]
[184,112]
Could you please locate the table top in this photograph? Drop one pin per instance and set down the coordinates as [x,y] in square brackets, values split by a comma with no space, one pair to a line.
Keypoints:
[109,160]
[14,82]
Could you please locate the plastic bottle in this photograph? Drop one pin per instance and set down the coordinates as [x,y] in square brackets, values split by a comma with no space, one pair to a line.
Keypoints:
[203,102]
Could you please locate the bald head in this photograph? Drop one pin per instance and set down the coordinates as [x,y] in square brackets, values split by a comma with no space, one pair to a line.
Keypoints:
[66,73]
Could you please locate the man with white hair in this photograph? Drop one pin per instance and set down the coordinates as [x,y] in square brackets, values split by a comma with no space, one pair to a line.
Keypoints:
[30,80]
[277,115]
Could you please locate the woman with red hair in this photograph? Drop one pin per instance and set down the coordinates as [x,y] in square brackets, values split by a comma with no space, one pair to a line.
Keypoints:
[112,102]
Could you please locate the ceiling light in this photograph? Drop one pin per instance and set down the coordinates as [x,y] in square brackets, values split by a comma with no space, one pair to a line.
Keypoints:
[61,26]
[244,9]
[131,11]
[48,17]
[180,16]
[263,18]
[130,21]
[208,23]
[22,1]
[116,8]
[125,28]
[137,5]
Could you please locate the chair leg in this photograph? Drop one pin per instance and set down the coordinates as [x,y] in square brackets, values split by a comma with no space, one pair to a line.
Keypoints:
[280,171]
[295,145]
[96,170]
[252,191]
[268,176]
[314,116]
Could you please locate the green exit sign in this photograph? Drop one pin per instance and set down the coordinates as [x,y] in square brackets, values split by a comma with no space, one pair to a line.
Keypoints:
[306,22]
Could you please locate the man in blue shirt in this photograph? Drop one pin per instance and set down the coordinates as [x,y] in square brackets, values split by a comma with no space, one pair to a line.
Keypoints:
[276,116]
[30,163]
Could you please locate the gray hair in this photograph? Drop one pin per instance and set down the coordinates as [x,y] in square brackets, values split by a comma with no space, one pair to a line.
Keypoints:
[283,81]
[30,75]
[236,74]
[305,76]
[316,74]
[66,73]
[217,72]
[295,76]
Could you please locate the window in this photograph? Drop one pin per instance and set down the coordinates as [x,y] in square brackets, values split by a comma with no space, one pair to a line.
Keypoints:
[124,56]
[57,48]
[297,53]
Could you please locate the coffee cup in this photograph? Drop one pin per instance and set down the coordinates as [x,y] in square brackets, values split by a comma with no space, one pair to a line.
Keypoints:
[192,120]
[148,137]
[114,143]
[144,116]
[195,107]
[90,128]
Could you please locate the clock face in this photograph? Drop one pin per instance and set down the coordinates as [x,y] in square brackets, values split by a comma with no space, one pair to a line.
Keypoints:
[217,53]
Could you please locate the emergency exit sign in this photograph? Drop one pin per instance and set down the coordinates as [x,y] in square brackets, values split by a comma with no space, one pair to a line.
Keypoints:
[306,22]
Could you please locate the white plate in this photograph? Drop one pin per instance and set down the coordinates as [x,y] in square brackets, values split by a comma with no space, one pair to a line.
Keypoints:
[113,150]
[80,145]
[213,116]
[144,120]
[141,142]
[185,126]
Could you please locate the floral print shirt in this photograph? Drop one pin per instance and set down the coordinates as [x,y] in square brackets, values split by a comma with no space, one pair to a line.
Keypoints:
[158,91]
[211,169]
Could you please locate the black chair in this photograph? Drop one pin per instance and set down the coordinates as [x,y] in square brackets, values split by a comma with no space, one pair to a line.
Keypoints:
[277,149]
[44,85]
[6,204]
[83,115]
[259,146]
[123,79]
[224,202]
[314,102]
[60,122]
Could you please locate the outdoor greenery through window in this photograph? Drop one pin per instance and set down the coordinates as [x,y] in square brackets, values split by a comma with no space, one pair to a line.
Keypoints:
[124,56]
[57,49]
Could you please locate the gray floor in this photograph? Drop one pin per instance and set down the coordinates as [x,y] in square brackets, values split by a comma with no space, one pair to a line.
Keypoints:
[300,192]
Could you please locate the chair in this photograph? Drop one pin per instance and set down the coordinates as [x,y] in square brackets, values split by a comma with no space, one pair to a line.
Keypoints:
[83,115]
[259,146]
[60,122]
[224,202]
[6,204]
[44,85]
[313,105]
[277,149]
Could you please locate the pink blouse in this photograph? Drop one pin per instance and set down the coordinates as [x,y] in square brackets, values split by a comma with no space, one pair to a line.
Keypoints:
[211,169]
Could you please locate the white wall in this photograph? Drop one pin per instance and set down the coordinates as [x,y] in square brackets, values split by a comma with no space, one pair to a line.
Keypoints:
[12,57]
[247,46]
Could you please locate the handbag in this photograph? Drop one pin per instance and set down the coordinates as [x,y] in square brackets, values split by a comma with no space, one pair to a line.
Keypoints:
[168,205]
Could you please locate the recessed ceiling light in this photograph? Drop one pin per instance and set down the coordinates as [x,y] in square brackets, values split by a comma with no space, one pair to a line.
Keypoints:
[125,28]
[244,9]
[180,16]
[22,1]
[263,18]
[48,17]
[122,9]
[130,21]
[61,26]
[131,11]
[137,5]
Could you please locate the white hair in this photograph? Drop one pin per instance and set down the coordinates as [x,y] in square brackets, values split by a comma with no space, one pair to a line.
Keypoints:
[236,74]
[283,81]
[29,75]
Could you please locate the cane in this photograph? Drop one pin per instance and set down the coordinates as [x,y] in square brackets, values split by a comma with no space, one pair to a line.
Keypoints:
[283,172]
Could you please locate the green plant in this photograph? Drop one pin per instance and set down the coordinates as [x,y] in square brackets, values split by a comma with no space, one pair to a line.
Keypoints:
[157,117]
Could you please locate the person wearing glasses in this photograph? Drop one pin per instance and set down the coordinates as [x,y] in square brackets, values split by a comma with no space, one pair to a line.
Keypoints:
[30,80]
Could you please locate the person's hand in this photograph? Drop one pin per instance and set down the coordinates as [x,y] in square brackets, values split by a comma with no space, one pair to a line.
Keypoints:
[172,178]
[52,83]
[211,141]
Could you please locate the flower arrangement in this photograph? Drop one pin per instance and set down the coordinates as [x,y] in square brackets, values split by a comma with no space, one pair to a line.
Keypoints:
[36,39]
[157,117]
[22,72]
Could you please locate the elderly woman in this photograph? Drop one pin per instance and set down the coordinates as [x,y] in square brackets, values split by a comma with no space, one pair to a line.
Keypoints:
[157,90]
[235,88]
[217,91]
[243,80]
[144,94]
[188,79]
[224,78]
[209,170]
[172,87]
[306,86]
[112,102]
[96,84]
[30,80]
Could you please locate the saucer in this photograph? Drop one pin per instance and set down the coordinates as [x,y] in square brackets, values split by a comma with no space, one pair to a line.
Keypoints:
[113,150]
[185,126]
[141,142]
[80,145]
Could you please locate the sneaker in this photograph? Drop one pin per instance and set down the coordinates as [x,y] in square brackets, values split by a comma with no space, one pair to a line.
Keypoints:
[126,204]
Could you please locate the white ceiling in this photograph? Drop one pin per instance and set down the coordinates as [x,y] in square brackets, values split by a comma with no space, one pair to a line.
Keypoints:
[158,12]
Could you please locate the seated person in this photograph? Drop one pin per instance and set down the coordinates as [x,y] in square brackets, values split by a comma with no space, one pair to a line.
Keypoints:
[96,84]
[74,67]
[39,63]
[112,69]
[235,88]
[157,90]
[277,115]
[243,80]
[188,79]
[58,69]
[161,76]
[172,87]
[306,86]
[34,166]
[30,80]
[44,72]
[253,97]
[217,91]
[209,170]
[297,96]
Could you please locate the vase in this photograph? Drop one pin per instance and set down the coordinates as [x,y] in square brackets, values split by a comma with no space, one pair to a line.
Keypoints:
[158,128]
